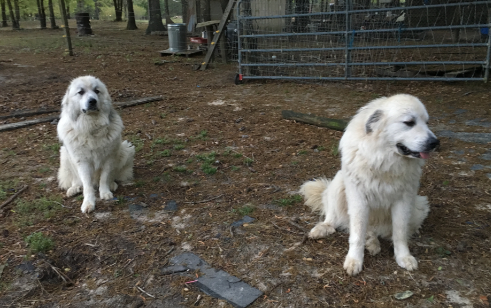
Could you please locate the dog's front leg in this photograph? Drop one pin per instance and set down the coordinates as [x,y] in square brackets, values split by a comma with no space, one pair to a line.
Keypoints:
[401,215]
[104,182]
[85,171]
[358,220]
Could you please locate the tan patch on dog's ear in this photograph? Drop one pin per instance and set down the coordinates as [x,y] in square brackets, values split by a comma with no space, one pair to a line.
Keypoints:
[375,117]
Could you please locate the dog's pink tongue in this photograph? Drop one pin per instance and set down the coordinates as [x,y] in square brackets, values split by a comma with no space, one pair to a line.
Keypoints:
[424,155]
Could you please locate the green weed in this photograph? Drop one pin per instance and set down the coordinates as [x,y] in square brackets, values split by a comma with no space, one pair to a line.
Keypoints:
[165,153]
[180,169]
[178,147]
[289,200]
[38,242]
[248,161]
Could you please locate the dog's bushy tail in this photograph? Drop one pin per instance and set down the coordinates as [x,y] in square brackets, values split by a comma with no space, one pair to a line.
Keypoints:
[312,193]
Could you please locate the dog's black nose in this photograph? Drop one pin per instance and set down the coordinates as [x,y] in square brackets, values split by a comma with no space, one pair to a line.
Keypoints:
[432,143]
[92,102]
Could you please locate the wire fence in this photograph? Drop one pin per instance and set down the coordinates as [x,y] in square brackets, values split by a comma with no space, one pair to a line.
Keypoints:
[350,40]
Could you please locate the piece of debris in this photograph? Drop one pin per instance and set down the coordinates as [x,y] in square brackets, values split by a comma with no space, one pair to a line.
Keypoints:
[245,220]
[403,295]
[336,124]
[214,282]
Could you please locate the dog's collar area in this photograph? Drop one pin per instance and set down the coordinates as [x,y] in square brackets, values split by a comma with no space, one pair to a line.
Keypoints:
[407,152]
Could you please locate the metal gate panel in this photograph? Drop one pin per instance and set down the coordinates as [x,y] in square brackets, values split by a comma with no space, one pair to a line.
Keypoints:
[312,39]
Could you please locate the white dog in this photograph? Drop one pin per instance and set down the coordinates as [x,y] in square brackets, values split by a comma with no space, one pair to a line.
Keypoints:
[375,192]
[92,153]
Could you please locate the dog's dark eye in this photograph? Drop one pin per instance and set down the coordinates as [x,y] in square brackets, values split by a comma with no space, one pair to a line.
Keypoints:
[96,91]
[410,123]
[81,92]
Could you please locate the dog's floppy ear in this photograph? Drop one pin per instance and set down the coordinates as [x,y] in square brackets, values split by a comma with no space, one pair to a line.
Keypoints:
[374,118]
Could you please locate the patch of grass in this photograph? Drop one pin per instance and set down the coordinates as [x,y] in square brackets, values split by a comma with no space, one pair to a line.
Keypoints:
[321,148]
[79,197]
[9,152]
[162,115]
[55,147]
[180,169]
[335,149]
[237,155]
[30,211]
[202,135]
[208,169]
[235,168]
[149,162]
[165,153]
[161,141]
[302,152]
[446,182]
[38,242]
[139,183]
[189,161]
[137,142]
[121,200]
[44,169]
[294,163]
[442,252]
[245,210]
[288,201]
[179,147]
[248,161]
[6,186]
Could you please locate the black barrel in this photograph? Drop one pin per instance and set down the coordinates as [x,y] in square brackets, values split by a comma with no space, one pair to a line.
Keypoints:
[83,24]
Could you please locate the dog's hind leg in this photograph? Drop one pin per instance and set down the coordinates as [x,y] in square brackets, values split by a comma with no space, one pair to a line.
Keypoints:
[67,175]
[372,244]
[334,209]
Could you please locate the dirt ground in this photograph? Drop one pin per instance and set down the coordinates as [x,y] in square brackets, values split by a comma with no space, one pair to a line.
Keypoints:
[220,151]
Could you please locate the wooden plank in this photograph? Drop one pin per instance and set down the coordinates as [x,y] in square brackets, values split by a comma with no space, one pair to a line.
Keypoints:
[335,124]
[218,33]
[28,113]
[207,23]
[12,126]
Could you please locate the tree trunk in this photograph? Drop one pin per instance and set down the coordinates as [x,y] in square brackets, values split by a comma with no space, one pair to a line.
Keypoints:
[67,4]
[125,9]
[4,14]
[97,9]
[17,11]
[15,22]
[155,17]
[118,7]
[42,13]
[52,15]
[168,21]
[184,7]
[223,39]
[131,25]
[207,17]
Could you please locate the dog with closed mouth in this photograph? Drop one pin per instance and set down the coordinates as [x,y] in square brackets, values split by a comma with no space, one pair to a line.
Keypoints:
[93,153]
[375,194]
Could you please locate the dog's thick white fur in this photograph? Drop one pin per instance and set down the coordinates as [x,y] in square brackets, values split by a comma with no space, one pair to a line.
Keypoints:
[375,192]
[93,153]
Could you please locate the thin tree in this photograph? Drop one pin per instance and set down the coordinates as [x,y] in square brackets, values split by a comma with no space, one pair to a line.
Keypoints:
[118,7]
[168,20]
[67,5]
[17,10]
[155,17]
[4,14]
[15,22]
[52,15]
[41,13]
[184,7]
[131,25]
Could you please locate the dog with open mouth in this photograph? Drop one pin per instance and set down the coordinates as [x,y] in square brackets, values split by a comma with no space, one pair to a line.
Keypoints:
[375,194]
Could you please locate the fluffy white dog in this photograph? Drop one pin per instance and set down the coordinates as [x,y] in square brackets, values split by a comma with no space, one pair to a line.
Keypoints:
[93,153]
[375,192]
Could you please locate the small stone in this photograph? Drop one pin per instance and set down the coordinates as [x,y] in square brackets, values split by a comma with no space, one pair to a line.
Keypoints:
[171,205]
[403,295]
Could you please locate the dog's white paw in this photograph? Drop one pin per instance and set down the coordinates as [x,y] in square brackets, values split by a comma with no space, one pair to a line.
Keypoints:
[72,191]
[373,245]
[106,195]
[113,186]
[88,205]
[353,266]
[408,262]
[321,230]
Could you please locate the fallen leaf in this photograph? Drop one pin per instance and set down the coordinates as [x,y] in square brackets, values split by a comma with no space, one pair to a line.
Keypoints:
[403,295]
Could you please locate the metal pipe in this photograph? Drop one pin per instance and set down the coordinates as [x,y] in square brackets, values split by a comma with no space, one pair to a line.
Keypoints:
[368,64]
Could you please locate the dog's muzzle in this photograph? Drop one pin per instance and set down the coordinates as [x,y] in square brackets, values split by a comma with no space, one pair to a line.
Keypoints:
[92,106]
[431,144]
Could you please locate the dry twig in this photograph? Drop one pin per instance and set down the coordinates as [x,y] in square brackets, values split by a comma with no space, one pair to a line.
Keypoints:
[204,201]
[13,197]
[143,291]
